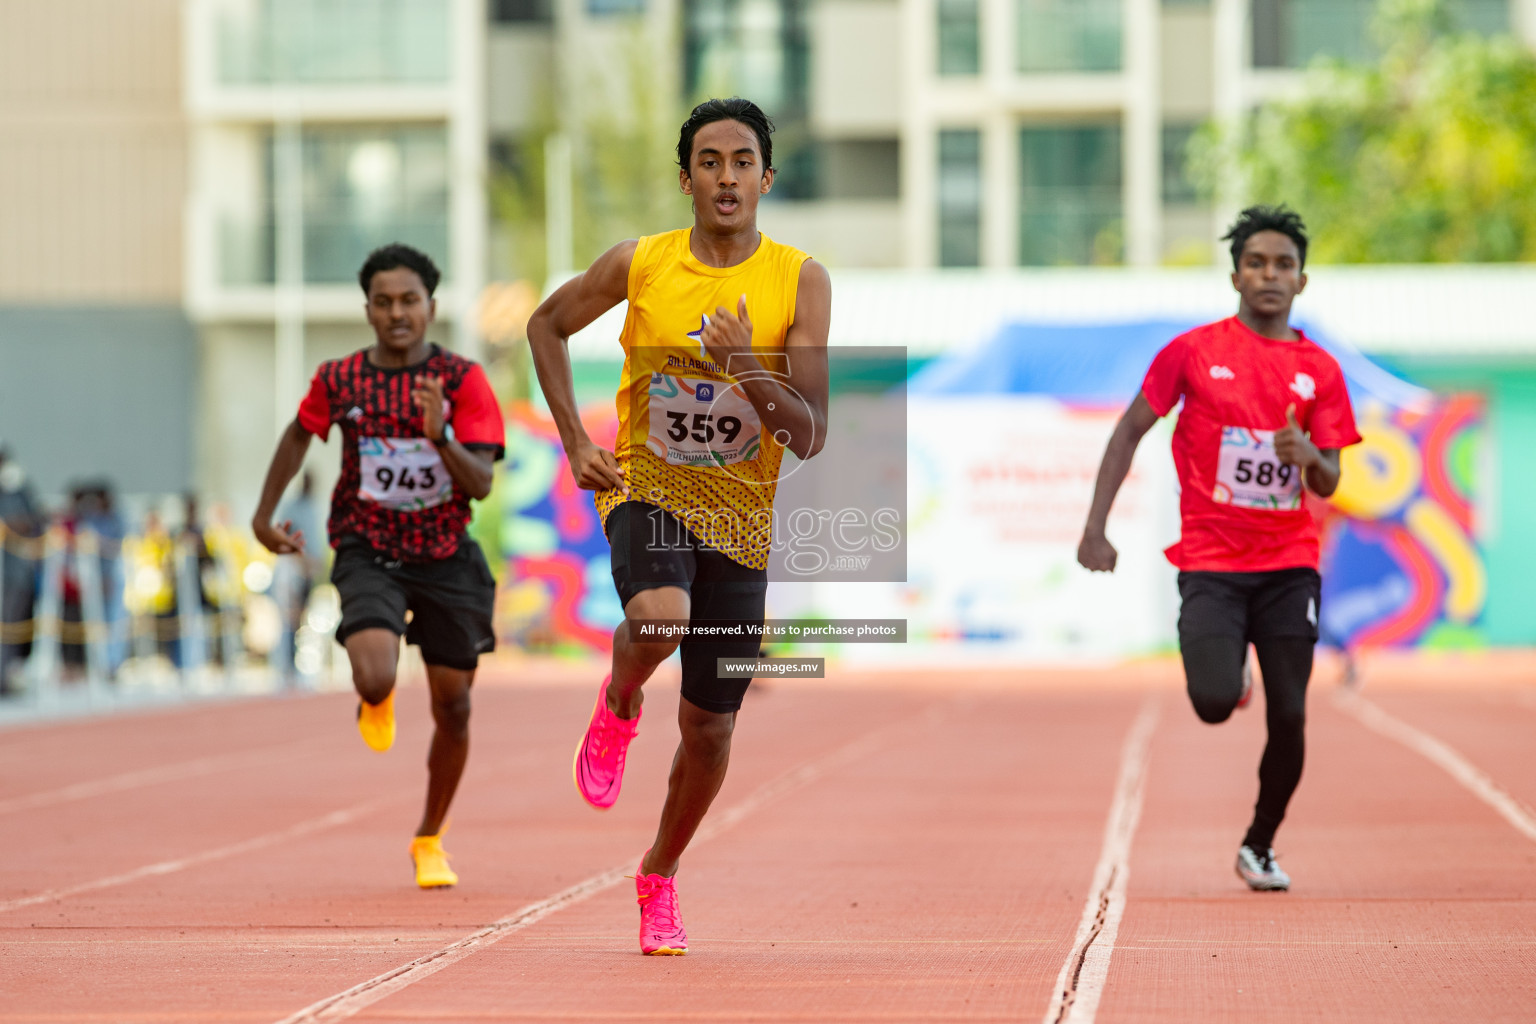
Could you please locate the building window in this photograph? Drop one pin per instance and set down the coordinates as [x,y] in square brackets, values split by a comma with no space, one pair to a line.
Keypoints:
[1291,33]
[1070,210]
[522,12]
[960,198]
[1067,35]
[1178,185]
[759,49]
[333,42]
[362,187]
[598,8]
[959,37]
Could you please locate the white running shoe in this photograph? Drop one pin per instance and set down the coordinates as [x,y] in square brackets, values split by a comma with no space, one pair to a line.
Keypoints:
[1261,871]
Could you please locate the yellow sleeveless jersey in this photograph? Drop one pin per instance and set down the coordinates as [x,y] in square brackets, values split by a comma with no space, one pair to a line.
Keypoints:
[688,438]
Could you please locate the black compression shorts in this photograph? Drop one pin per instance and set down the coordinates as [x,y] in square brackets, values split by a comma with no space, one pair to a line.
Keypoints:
[1249,606]
[450,600]
[652,548]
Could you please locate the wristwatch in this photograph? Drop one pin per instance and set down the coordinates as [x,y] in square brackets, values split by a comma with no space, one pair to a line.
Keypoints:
[447,437]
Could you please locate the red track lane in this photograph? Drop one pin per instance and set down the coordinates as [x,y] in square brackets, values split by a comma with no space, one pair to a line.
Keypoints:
[1411,900]
[935,870]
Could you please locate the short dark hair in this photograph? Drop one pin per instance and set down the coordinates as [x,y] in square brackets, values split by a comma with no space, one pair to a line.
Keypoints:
[394,256]
[733,109]
[1267,218]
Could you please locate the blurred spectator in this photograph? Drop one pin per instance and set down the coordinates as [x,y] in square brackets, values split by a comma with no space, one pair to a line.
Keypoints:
[20,528]
[295,576]
[192,570]
[92,529]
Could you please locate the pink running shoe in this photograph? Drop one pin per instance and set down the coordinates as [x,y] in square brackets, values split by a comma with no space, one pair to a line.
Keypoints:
[661,926]
[599,765]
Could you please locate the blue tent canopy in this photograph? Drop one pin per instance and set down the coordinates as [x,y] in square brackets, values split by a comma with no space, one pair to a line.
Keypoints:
[1105,363]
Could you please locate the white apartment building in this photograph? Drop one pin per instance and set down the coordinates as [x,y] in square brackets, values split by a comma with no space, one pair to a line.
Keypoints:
[316,132]
[1049,132]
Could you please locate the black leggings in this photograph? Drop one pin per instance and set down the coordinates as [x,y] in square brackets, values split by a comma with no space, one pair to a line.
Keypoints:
[1213,669]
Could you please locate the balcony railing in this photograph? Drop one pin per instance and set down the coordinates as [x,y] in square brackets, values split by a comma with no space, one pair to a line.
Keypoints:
[333,42]
[1067,35]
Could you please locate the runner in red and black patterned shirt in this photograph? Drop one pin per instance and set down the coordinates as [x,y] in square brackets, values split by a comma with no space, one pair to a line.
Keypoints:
[420,432]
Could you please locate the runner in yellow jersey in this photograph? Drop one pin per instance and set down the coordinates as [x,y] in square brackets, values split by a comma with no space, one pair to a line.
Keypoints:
[725,366]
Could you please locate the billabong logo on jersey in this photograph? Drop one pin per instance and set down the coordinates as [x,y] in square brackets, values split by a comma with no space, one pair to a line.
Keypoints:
[1222,373]
[698,335]
[1304,386]
[1312,611]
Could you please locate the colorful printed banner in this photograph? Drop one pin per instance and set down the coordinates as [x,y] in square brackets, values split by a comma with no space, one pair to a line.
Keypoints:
[559,591]
[1401,564]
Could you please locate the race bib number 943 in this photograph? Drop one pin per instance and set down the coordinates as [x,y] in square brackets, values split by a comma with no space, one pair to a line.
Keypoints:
[1250,475]
[701,422]
[403,473]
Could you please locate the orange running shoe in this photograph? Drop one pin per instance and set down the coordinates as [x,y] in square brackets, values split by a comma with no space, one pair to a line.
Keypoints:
[377,722]
[432,870]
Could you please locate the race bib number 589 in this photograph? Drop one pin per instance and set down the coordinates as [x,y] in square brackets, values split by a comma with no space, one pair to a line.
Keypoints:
[402,473]
[1250,475]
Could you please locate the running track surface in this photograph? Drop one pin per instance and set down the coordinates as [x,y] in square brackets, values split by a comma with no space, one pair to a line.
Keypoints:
[920,849]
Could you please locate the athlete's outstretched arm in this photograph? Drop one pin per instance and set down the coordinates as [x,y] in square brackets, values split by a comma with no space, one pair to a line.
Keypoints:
[796,408]
[573,306]
[1095,551]
[281,538]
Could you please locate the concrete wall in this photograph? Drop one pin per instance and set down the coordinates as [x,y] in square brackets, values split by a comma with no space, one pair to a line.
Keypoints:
[840,233]
[90,92]
[99,392]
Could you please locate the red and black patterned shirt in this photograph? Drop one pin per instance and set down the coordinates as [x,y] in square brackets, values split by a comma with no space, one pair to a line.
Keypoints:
[394,490]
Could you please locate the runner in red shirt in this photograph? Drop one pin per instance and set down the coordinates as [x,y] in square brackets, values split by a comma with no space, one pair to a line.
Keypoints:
[420,433]
[1265,414]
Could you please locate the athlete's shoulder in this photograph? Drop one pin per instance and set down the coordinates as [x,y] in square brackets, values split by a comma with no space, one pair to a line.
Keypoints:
[1216,330]
[1318,354]
[785,253]
[666,245]
[342,367]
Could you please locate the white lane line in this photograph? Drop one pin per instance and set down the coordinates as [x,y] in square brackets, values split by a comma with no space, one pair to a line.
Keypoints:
[147,777]
[1081,981]
[166,867]
[1443,754]
[345,1004]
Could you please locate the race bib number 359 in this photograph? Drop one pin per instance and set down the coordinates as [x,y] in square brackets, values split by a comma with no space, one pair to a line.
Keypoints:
[701,422]
[403,473]
[1250,475]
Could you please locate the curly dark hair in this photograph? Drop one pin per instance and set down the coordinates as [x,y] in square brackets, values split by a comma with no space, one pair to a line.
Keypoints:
[1267,218]
[733,109]
[395,255]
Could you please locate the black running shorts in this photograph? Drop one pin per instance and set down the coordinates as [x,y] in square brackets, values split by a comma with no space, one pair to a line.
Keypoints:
[450,600]
[651,548]
[1249,606]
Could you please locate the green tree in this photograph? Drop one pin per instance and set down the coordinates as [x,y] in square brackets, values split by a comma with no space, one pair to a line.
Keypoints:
[1427,155]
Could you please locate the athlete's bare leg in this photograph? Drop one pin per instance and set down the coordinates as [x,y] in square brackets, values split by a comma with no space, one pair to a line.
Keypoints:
[450,742]
[375,654]
[635,660]
[698,770]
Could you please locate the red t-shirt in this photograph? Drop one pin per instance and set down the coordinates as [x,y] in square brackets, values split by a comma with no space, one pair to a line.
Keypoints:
[394,490]
[1240,509]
